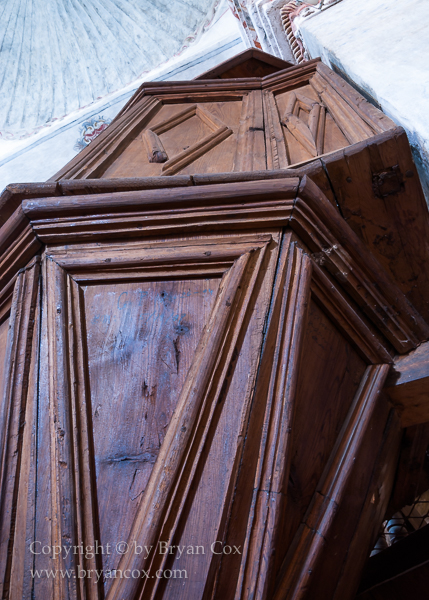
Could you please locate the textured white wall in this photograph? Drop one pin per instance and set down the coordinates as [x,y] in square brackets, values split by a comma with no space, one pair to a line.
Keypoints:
[39,156]
[383,46]
[60,55]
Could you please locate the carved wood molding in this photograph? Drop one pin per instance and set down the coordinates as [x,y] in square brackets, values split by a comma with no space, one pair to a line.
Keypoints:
[17,443]
[277,390]
[266,203]
[317,259]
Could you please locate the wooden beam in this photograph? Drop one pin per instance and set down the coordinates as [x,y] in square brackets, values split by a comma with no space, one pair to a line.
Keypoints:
[408,386]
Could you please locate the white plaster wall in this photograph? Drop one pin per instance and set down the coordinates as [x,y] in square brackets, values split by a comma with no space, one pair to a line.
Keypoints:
[40,156]
[57,56]
[383,46]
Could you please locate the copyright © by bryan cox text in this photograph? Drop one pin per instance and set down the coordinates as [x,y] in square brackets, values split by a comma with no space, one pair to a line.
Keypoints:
[88,552]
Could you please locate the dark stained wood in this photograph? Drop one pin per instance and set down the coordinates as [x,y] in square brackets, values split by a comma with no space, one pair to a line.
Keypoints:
[13,194]
[348,319]
[4,327]
[336,263]
[141,341]
[277,392]
[315,115]
[274,137]
[408,386]
[250,148]
[373,510]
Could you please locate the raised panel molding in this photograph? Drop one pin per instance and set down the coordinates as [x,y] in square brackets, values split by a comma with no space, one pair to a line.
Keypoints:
[17,431]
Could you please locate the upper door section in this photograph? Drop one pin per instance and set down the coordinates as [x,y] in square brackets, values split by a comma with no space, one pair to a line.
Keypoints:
[220,125]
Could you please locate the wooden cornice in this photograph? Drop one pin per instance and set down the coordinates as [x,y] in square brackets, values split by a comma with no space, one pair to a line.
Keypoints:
[294,202]
[297,75]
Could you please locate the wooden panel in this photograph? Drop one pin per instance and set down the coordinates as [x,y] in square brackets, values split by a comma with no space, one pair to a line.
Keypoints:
[259,502]
[207,404]
[249,63]
[336,371]
[309,129]
[141,340]
[250,154]
[412,478]
[178,139]
[251,68]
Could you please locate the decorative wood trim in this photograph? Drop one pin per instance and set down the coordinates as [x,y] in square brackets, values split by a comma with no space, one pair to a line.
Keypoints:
[242,57]
[155,150]
[188,156]
[275,142]
[276,389]
[311,137]
[17,433]
[350,322]
[300,565]
[343,102]
[353,127]
[65,508]
[18,245]
[290,79]
[355,268]
[157,153]
[85,471]
[374,117]
[250,150]
[73,491]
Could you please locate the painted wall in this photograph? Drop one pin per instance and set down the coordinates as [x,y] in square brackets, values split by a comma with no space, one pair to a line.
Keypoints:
[383,47]
[38,156]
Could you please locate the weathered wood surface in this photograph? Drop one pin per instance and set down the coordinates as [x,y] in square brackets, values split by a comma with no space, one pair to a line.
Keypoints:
[318,559]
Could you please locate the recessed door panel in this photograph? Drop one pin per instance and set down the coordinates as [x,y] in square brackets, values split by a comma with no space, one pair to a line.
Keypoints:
[141,340]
